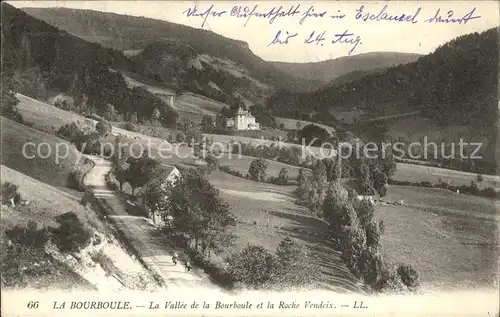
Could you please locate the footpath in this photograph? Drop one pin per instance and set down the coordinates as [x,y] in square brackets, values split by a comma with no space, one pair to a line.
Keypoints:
[141,233]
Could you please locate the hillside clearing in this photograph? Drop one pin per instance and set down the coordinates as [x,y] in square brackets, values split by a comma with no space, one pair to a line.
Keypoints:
[267,221]
[104,265]
[449,238]
[48,170]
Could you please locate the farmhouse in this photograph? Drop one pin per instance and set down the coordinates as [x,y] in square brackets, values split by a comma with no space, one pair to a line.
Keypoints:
[168,177]
[242,120]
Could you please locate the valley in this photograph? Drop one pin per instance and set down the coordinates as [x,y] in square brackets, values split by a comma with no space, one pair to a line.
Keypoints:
[205,184]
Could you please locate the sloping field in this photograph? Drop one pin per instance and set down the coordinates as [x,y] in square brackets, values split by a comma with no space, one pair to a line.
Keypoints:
[45,204]
[419,173]
[48,170]
[451,239]
[198,104]
[267,214]
[44,117]
[241,163]
[46,201]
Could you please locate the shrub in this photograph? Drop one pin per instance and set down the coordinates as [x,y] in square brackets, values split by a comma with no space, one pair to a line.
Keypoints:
[389,282]
[409,276]
[283,176]
[103,127]
[373,233]
[181,137]
[129,126]
[71,235]
[10,193]
[479,178]
[253,266]
[293,267]
[258,170]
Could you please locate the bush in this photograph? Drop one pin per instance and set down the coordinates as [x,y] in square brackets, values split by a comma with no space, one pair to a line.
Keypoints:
[103,127]
[129,126]
[283,176]
[253,266]
[479,178]
[216,273]
[258,170]
[409,276]
[293,268]
[10,193]
[71,235]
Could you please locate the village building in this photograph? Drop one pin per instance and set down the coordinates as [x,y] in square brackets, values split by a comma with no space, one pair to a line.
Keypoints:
[169,177]
[242,120]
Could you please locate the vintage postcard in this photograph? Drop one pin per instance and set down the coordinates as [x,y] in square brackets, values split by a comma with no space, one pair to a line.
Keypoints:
[197,158]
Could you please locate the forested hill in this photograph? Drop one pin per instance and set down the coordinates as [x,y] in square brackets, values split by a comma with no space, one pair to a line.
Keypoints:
[124,32]
[331,69]
[456,84]
[43,61]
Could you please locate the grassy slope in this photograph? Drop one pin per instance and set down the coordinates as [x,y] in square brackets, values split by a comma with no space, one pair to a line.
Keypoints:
[419,173]
[15,135]
[450,238]
[46,203]
[267,214]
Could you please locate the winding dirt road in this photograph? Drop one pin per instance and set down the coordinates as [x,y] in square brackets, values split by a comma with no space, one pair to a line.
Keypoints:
[142,234]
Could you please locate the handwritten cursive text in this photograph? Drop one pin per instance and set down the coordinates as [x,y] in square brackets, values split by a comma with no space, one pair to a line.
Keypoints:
[382,15]
[451,18]
[190,12]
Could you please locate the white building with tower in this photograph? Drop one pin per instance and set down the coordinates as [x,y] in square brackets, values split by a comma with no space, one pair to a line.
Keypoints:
[243,120]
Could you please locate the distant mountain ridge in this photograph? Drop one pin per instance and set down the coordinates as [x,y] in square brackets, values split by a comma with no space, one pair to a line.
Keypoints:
[42,61]
[329,70]
[127,33]
[456,84]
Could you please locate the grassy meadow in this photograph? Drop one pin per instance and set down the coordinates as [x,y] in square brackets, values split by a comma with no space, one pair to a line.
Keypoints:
[450,238]
[47,170]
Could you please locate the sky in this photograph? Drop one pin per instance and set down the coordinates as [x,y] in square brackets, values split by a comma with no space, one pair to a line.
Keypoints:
[422,37]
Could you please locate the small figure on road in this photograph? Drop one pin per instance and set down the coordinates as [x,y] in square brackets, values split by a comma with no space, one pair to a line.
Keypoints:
[188,266]
[174,258]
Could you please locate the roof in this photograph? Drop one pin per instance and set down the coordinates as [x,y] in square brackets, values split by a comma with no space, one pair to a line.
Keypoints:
[167,170]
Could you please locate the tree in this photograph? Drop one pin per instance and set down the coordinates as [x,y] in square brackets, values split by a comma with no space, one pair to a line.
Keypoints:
[10,194]
[379,182]
[314,135]
[319,172]
[365,212]
[283,176]
[253,266]
[212,162]
[155,197]
[293,264]
[103,127]
[373,233]
[9,100]
[282,126]
[301,178]
[110,112]
[207,123]
[142,170]
[409,276]
[337,210]
[181,137]
[258,170]
[71,235]
[200,213]
[155,116]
